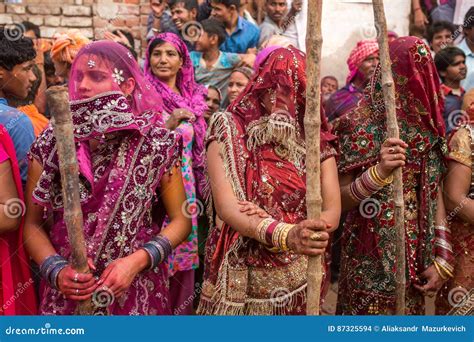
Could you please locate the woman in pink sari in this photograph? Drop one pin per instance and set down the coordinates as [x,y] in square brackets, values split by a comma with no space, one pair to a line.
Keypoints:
[17,295]
[169,68]
[128,165]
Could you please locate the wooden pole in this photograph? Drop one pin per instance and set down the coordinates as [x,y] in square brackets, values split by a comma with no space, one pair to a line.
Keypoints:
[312,126]
[388,87]
[58,102]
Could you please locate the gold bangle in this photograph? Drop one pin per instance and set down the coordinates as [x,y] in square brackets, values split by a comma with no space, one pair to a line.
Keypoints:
[385,181]
[284,237]
[375,178]
[445,265]
[450,275]
[444,277]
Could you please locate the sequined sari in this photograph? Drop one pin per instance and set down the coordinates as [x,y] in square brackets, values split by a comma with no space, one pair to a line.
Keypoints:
[368,261]
[118,180]
[263,153]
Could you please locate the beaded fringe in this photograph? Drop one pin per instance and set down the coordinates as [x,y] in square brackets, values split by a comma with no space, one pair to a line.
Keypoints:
[218,304]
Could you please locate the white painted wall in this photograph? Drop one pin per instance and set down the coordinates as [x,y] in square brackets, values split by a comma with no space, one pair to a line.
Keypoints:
[345,22]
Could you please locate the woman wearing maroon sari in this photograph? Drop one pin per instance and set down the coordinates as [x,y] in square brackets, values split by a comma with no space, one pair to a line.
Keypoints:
[124,157]
[256,265]
[17,295]
[367,159]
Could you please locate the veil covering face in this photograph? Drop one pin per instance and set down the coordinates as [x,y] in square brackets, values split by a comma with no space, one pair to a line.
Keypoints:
[113,65]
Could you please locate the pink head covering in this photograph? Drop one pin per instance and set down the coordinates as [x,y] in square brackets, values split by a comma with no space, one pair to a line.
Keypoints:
[113,65]
[262,56]
[192,98]
[363,50]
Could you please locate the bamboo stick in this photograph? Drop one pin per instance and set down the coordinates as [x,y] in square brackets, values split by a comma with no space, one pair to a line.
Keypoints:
[312,125]
[58,102]
[388,87]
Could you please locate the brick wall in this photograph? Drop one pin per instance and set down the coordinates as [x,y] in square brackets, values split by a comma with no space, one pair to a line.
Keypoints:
[92,17]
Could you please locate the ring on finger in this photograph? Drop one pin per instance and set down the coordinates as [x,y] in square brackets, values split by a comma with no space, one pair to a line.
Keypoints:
[77,292]
[315,236]
[391,150]
[76,276]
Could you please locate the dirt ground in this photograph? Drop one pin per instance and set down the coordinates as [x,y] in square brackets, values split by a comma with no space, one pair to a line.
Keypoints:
[329,307]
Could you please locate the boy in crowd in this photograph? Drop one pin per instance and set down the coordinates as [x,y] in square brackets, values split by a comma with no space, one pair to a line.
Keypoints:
[451,65]
[241,35]
[17,58]
[440,34]
[183,14]
[213,67]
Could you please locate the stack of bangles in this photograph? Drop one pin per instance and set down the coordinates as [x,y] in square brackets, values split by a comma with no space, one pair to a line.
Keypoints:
[367,184]
[51,267]
[444,259]
[158,248]
[273,233]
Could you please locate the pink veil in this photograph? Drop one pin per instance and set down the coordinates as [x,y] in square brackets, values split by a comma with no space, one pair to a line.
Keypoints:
[121,65]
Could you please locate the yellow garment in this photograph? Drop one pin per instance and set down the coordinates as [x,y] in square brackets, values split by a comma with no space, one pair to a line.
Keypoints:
[460,147]
[38,120]
[67,45]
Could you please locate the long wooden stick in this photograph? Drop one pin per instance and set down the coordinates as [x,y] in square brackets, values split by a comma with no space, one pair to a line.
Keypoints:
[388,88]
[58,102]
[312,126]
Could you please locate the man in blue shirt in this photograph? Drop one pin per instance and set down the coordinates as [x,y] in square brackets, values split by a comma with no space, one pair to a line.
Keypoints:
[242,36]
[16,79]
[467,45]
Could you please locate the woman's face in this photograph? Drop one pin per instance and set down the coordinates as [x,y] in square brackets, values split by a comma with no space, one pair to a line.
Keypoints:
[237,83]
[91,81]
[165,61]
[213,101]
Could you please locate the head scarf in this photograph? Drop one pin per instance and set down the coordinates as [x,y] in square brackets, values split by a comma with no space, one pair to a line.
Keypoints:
[263,54]
[192,98]
[419,106]
[246,71]
[363,50]
[17,295]
[67,45]
[120,65]
[282,77]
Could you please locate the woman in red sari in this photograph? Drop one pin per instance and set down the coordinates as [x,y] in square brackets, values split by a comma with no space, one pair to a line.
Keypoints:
[17,295]
[367,159]
[256,265]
